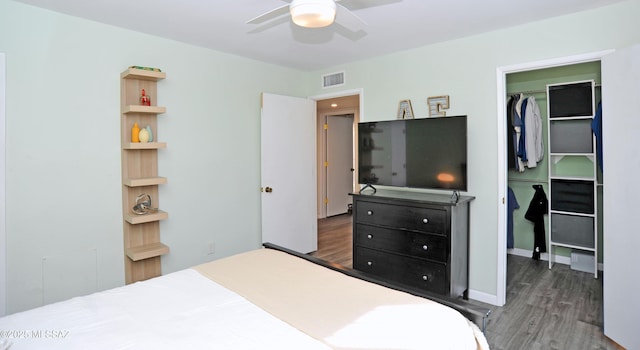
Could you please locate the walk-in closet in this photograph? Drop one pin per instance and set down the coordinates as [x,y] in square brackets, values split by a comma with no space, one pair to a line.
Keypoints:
[555,193]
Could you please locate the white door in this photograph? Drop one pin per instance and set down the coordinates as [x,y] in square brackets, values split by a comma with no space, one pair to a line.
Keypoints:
[621,172]
[3,235]
[289,213]
[339,164]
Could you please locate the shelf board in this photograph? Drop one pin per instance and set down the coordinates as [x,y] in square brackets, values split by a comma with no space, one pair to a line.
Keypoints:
[142,74]
[582,154]
[572,213]
[572,246]
[146,251]
[144,181]
[578,117]
[135,219]
[144,145]
[143,109]
[576,178]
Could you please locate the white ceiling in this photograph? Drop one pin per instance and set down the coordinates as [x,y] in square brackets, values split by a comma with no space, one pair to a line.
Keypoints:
[391,25]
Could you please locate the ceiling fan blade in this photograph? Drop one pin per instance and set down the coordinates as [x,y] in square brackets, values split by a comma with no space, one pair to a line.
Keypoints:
[347,18]
[276,12]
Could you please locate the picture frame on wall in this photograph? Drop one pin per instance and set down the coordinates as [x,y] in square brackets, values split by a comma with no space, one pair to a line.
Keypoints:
[437,104]
[405,111]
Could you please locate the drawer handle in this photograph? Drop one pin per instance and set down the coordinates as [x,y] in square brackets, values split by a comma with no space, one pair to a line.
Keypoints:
[369,236]
[369,263]
[425,277]
[425,247]
[369,212]
[425,221]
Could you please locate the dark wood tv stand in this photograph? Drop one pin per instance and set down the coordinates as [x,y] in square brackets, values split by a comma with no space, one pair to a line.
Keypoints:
[416,239]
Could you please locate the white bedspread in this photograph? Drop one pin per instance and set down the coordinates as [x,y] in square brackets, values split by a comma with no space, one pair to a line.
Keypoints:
[182,310]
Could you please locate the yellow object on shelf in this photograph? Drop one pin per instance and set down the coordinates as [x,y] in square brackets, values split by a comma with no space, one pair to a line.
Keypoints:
[135,133]
[143,135]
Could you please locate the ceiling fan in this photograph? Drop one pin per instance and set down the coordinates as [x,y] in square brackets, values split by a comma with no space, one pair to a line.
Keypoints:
[308,13]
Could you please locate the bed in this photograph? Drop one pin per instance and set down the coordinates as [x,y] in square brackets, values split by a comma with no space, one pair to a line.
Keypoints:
[270,298]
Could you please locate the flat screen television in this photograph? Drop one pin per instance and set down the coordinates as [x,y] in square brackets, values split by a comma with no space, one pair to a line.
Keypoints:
[428,153]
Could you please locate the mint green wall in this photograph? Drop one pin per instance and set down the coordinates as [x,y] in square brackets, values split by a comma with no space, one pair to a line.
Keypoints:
[63,147]
[63,151]
[465,69]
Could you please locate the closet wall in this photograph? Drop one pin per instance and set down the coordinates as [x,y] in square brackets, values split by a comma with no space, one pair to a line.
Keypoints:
[533,83]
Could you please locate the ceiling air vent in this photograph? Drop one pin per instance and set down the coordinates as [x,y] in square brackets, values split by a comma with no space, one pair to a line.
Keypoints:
[333,79]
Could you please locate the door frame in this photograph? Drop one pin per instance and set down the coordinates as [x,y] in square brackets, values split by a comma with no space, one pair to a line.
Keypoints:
[324,156]
[501,89]
[357,115]
[3,186]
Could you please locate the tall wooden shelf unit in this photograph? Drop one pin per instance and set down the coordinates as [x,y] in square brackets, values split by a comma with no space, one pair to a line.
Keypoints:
[141,233]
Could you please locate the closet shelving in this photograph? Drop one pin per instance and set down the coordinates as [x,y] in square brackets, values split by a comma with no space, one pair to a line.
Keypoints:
[573,197]
[141,233]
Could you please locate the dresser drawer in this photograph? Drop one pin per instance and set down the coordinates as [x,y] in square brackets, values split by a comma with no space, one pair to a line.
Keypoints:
[420,245]
[406,217]
[413,272]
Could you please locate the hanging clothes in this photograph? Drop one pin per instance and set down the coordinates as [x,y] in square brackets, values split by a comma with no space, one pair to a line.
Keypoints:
[538,207]
[514,112]
[534,148]
[512,158]
[512,204]
[522,142]
[596,127]
[524,123]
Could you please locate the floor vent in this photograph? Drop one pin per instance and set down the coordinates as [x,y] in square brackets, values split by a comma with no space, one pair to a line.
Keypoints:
[333,79]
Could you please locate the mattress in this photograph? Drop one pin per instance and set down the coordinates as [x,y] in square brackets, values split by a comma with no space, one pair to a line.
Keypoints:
[263,299]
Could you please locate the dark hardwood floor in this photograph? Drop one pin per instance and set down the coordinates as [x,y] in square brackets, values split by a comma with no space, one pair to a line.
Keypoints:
[335,243]
[546,309]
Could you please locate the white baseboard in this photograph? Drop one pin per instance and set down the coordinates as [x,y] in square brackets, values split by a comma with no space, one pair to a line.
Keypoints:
[544,256]
[483,297]
[493,299]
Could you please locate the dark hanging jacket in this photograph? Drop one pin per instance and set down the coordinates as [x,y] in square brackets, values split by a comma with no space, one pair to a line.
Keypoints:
[538,207]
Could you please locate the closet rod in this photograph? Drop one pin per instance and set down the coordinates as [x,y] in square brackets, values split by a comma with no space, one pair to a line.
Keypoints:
[531,92]
[528,180]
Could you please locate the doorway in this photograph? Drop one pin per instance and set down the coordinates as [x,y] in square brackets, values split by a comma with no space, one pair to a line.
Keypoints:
[502,73]
[338,163]
[342,111]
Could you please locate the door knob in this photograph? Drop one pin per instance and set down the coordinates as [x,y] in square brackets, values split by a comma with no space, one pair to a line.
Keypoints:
[268,189]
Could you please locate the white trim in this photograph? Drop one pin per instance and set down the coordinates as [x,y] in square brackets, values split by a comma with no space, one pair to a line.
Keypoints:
[483,297]
[3,192]
[566,260]
[501,288]
[501,89]
[543,256]
[342,93]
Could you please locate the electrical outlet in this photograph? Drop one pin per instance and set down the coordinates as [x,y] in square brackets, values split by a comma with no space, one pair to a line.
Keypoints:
[211,249]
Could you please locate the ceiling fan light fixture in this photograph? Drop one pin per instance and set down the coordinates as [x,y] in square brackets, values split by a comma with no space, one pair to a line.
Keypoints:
[313,13]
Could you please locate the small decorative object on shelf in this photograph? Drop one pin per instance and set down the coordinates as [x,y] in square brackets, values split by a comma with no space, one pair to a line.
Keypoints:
[148,127]
[147,68]
[437,104]
[144,99]
[135,133]
[143,205]
[405,111]
[143,135]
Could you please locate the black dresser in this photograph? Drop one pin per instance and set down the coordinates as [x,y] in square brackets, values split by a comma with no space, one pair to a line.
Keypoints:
[416,239]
